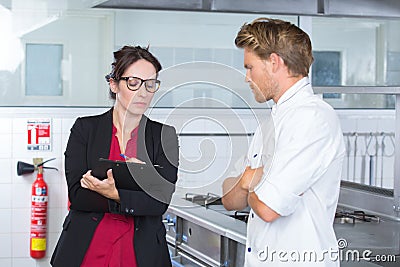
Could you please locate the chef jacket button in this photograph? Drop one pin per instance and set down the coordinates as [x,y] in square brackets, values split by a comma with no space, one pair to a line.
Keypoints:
[252,215]
[249,249]
[273,110]
[126,210]
[131,211]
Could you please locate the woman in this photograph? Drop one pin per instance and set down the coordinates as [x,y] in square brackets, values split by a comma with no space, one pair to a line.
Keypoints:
[108,226]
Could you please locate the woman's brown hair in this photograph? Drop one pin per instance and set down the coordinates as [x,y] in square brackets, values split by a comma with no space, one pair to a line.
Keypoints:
[125,57]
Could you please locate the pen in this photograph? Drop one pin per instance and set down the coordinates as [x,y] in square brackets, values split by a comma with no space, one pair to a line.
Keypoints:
[124,156]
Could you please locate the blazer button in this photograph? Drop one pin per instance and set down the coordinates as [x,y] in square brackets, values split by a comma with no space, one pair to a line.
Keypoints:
[126,210]
[131,211]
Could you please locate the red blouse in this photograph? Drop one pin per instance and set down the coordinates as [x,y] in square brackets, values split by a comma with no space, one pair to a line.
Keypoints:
[112,242]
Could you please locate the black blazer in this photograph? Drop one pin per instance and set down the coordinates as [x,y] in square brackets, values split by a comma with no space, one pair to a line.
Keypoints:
[89,140]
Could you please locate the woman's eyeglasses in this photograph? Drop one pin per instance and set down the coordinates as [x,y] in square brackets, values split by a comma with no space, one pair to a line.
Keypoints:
[134,83]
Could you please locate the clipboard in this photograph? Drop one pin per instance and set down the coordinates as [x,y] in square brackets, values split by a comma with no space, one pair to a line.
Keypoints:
[124,172]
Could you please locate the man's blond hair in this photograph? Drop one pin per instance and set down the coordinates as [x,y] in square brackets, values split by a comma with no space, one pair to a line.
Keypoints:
[265,36]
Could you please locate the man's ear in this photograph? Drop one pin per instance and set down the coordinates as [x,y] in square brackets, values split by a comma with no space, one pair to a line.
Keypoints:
[276,61]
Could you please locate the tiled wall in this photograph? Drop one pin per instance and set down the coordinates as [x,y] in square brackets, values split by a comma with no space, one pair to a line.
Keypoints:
[216,155]
[15,191]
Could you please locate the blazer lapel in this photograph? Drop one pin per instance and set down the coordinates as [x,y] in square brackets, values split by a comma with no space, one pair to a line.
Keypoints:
[102,139]
[145,141]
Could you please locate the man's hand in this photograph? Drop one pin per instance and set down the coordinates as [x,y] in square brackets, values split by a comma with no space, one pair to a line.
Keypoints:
[104,187]
[250,178]
[236,189]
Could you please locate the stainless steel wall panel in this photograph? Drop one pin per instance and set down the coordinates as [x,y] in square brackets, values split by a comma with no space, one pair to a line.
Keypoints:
[305,7]
[365,8]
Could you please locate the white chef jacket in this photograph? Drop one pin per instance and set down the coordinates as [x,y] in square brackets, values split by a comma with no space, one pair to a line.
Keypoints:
[301,184]
[261,148]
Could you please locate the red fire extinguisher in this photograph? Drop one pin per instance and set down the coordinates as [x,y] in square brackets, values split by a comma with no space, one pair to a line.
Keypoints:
[39,216]
[39,200]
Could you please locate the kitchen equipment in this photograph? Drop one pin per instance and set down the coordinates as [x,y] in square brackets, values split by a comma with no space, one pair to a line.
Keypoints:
[203,242]
[201,232]
[353,217]
[204,200]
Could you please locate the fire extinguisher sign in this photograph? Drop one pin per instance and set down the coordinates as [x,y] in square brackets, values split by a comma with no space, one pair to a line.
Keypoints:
[39,134]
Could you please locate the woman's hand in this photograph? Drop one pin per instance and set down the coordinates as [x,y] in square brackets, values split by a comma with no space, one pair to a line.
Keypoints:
[104,187]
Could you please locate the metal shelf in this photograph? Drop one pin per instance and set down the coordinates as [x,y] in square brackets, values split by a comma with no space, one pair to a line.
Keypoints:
[385,90]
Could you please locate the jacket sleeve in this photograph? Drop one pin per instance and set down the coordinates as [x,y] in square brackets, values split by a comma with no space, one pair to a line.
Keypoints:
[76,164]
[157,189]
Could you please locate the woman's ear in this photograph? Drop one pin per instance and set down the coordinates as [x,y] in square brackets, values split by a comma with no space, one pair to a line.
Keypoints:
[113,85]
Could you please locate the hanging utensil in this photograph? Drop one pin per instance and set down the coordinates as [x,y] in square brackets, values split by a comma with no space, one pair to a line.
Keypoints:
[363,161]
[355,156]
[376,157]
[348,151]
[384,151]
[371,152]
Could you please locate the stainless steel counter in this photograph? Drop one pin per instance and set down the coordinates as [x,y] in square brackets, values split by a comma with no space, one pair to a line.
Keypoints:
[381,238]
[209,219]
[203,237]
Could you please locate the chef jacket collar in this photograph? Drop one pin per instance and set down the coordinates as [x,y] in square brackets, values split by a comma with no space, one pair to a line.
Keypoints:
[294,89]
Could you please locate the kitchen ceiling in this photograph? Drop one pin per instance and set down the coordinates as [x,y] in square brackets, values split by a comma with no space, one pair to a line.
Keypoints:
[358,8]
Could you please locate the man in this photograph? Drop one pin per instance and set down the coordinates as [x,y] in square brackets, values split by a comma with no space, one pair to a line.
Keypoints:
[293,193]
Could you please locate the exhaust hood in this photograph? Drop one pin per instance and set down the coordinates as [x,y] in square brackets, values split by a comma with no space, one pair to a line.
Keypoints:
[342,8]
[239,6]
